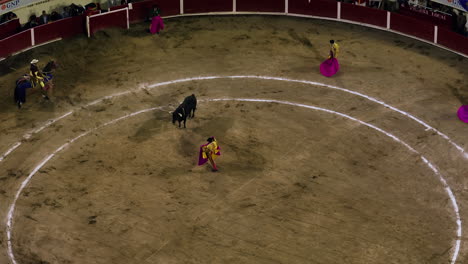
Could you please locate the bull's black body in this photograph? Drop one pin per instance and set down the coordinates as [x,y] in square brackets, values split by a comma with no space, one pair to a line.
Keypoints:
[186,109]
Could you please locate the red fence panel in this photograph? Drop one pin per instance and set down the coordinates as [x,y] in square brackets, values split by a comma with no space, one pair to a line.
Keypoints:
[412,26]
[9,28]
[362,14]
[323,8]
[63,28]
[117,18]
[205,6]
[15,43]
[452,40]
[260,6]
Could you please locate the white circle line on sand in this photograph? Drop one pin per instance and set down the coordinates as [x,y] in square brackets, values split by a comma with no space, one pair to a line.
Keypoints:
[9,224]
[373,99]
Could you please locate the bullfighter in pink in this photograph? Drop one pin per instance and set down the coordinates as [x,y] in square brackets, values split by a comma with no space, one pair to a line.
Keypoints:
[157,23]
[331,66]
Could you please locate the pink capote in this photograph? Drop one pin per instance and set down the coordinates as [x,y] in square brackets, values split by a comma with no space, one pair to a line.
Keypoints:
[201,160]
[463,113]
[157,25]
[329,67]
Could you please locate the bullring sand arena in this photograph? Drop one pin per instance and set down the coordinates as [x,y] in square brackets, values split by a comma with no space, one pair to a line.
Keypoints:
[365,167]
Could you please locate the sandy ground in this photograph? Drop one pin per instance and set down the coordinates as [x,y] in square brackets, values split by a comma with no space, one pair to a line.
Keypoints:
[295,185]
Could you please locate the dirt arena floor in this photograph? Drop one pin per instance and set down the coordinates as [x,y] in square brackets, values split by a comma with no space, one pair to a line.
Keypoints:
[295,185]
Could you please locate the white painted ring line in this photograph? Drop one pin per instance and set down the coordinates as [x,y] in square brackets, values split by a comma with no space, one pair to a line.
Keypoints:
[427,126]
[9,225]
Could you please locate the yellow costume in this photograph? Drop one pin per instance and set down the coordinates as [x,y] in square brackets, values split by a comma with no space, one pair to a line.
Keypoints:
[211,148]
[36,75]
[334,50]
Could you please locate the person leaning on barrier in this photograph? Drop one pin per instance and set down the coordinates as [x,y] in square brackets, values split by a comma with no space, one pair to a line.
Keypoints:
[31,23]
[36,75]
[44,18]
[54,16]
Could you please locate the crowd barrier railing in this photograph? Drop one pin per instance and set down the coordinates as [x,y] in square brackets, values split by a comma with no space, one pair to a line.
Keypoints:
[64,28]
[16,43]
[115,18]
[9,28]
[320,9]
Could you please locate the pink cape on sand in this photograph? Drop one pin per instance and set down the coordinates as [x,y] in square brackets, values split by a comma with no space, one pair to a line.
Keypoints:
[329,67]
[463,113]
[157,25]
[201,160]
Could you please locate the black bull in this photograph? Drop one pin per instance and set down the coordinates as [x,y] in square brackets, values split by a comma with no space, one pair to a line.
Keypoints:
[186,109]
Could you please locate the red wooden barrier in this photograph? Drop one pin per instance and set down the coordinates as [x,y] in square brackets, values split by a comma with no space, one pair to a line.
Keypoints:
[205,6]
[117,18]
[412,26]
[9,28]
[15,43]
[260,6]
[362,14]
[452,40]
[319,8]
[322,8]
[63,28]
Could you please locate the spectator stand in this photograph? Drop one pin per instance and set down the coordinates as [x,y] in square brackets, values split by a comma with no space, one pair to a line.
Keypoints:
[319,9]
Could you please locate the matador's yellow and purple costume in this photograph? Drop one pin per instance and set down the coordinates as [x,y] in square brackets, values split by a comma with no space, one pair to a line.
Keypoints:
[208,152]
[331,66]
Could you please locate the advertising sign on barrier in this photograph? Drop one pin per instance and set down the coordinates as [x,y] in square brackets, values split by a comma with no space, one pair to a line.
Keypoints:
[458,4]
[10,5]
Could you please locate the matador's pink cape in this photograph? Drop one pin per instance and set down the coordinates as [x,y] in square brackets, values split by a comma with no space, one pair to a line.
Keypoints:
[329,67]
[157,25]
[463,113]
[202,158]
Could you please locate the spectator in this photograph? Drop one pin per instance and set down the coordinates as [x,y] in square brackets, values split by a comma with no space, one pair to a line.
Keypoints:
[111,3]
[13,16]
[461,22]
[44,18]
[466,24]
[75,10]
[454,14]
[54,16]
[7,17]
[66,12]
[4,18]
[32,22]
[92,8]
